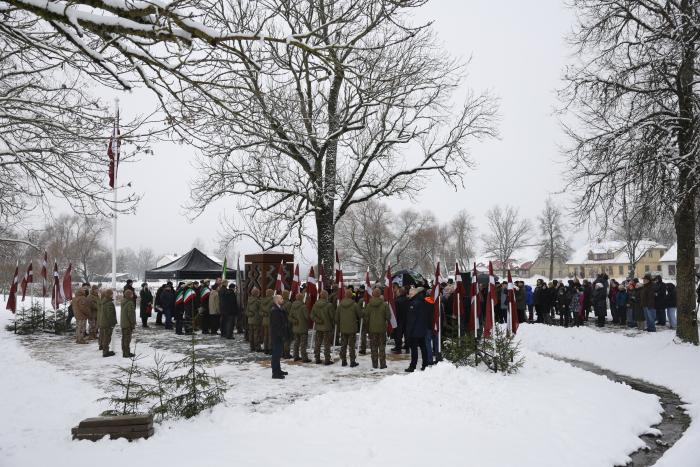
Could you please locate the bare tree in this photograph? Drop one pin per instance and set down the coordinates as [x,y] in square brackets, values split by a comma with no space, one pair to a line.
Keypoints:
[145,260]
[506,233]
[463,232]
[633,95]
[296,134]
[554,244]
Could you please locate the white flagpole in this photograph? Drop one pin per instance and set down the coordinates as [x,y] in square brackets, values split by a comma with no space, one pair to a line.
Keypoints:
[114,192]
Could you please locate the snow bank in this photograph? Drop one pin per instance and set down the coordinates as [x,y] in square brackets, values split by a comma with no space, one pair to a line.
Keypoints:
[653,357]
[547,415]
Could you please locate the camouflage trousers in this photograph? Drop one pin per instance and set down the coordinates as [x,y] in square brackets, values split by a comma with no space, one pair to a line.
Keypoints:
[301,342]
[363,339]
[347,340]
[326,337]
[92,327]
[266,337]
[126,341]
[105,339]
[80,331]
[253,338]
[377,345]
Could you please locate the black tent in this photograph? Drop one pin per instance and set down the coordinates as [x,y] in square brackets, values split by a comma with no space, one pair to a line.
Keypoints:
[193,265]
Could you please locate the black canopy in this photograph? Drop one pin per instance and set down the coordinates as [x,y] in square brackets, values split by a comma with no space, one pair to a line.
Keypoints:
[193,265]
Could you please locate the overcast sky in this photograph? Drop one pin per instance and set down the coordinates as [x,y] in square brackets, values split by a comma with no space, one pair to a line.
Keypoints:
[517,51]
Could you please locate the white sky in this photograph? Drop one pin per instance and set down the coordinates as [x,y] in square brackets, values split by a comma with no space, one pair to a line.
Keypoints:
[518,52]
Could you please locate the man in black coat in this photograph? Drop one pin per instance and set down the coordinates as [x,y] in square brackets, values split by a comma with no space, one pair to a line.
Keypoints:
[660,301]
[158,306]
[402,304]
[279,329]
[166,301]
[229,309]
[416,327]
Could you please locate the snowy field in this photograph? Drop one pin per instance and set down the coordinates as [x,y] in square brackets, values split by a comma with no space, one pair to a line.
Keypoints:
[550,414]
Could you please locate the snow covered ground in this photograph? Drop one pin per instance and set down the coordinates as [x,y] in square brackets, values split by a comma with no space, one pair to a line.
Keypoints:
[550,414]
[653,357]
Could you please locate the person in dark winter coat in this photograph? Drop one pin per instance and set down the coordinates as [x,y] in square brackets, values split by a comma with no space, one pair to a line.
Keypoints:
[670,304]
[537,301]
[599,298]
[402,304]
[521,301]
[416,327]
[620,305]
[279,330]
[158,307]
[648,305]
[660,301]
[179,308]
[529,304]
[167,304]
[587,299]
[228,305]
[145,304]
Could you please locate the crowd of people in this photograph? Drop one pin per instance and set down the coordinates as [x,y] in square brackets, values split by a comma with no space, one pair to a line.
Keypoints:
[283,326]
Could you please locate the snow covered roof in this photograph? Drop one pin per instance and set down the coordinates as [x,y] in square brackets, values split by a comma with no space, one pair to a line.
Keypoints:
[522,258]
[616,249]
[671,255]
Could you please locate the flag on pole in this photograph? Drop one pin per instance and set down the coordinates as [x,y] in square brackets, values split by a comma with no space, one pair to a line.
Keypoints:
[67,289]
[460,294]
[279,285]
[223,272]
[436,299]
[389,299]
[512,306]
[311,289]
[295,282]
[27,279]
[44,274]
[368,288]
[475,304]
[113,151]
[490,303]
[56,293]
[339,278]
[12,296]
[321,277]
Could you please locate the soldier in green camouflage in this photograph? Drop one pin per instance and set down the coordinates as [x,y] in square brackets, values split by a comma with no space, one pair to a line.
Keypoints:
[322,315]
[377,317]
[347,315]
[299,318]
[265,307]
[252,312]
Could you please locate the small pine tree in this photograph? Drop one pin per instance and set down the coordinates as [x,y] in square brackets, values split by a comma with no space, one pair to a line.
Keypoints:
[159,386]
[501,352]
[200,390]
[129,394]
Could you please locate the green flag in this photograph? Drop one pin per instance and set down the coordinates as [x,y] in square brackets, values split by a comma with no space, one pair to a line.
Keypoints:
[223,274]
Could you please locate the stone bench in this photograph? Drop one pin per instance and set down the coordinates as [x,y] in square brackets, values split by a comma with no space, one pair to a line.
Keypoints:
[121,426]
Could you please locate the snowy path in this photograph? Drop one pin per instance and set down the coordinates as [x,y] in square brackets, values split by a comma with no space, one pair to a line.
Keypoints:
[652,357]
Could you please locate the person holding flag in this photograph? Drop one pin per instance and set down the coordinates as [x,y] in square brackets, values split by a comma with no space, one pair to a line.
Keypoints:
[366,297]
[419,312]
[322,315]
[512,307]
[459,296]
[378,317]
[179,308]
[347,315]
[489,313]
[299,319]
[475,304]
[434,336]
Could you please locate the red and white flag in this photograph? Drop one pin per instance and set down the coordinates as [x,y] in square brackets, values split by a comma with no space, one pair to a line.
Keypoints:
[295,283]
[56,294]
[368,288]
[460,294]
[475,301]
[113,151]
[490,303]
[339,278]
[44,274]
[67,289]
[279,285]
[512,306]
[311,289]
[435,295]
[389,299]
[12,296]
[27,279]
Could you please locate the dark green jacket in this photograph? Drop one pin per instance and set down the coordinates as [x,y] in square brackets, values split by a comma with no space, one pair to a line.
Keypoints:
[265,307]
[347,316]
[299,317]
[252,311]
[106,314]
[377,315]
[322,315]
[128,315]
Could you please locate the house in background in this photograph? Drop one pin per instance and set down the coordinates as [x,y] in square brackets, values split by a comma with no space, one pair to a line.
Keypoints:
[610,257]
[668,262]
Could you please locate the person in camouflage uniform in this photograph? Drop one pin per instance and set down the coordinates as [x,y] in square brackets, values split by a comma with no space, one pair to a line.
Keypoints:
[322,314]
[252,312]
[299,318]
[81,309]
[106,320]
[265,307]
[377,317]
[287,306]
[94,301]
[346,316]
[127,322]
